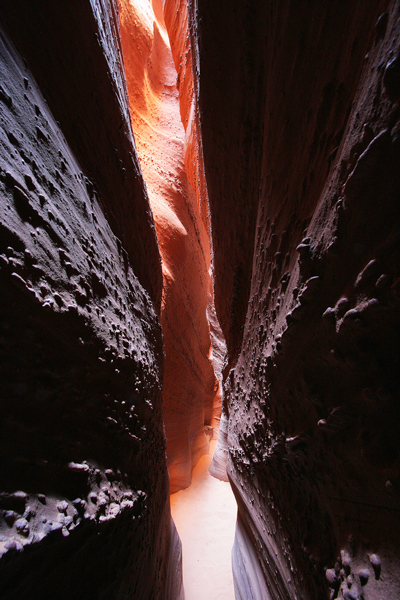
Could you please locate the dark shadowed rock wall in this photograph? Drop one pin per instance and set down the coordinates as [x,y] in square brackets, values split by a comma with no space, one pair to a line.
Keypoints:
[84,487]
[291,116]
[299,112]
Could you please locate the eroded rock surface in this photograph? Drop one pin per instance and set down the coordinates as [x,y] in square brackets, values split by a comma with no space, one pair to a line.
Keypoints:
[189,383]
[84,489]
[299,112]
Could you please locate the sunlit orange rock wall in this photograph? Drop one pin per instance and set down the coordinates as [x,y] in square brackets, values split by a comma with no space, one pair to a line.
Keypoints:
[299,112]
[176,16]
[84,492]
[189,381]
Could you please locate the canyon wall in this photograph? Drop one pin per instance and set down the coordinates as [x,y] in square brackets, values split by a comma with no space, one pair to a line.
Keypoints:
[84,501]
[189,383]
[299,114]
[288,155]
[178,23]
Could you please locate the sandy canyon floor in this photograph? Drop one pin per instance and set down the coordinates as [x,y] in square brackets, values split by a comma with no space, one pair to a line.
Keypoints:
[205,516]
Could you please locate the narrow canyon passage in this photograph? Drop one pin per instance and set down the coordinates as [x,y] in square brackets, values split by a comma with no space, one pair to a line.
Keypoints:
[205,517]
[205,512]
[189,384]
[199,210]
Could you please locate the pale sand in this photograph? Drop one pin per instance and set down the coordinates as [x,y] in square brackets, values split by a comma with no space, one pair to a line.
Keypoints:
[205,517]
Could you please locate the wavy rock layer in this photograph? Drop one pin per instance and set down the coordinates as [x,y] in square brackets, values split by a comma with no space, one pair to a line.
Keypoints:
[299,113]
[84,490]
[185,56]
[189,381]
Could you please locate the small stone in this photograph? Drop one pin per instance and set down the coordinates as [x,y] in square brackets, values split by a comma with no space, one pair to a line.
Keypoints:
[62,506]
[364,576]
[22,527]
[376,565]
[78,504]
[346,561]
[20,496]
[375,560]
[102,499]
[331,576]
[78,467]
[114,509]
[350,595]
[345,558]
[68,521]
[10,517]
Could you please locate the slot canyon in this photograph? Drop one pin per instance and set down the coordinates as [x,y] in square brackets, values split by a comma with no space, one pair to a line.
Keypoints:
[199,248]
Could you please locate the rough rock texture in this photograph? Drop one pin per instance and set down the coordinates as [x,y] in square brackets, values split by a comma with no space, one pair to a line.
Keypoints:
[189,382]
[176,16]
[184,54]
[220,420]
[84,489]
[299,110]
[186,60]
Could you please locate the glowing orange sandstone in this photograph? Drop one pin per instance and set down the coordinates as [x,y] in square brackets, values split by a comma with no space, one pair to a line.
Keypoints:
[176,21]
[189,381]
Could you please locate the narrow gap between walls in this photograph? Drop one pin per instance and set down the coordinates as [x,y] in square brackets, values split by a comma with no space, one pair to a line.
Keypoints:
[203,508]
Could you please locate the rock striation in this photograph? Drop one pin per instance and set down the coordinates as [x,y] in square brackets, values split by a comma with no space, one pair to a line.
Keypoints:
[178,23]
[165,154]
[84,504]
[299,113]
[287,156]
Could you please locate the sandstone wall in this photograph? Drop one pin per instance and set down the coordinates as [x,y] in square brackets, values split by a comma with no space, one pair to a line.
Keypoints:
[189,381]
[299,113]
[84,489]
[177,23]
